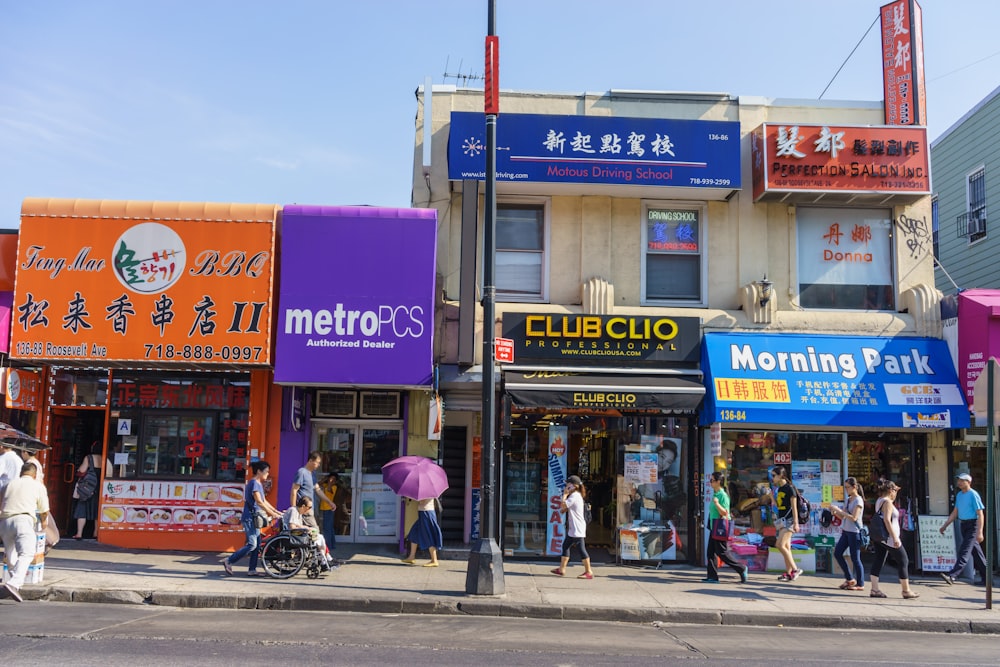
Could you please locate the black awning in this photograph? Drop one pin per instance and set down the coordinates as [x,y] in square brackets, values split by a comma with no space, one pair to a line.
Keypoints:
[566,389]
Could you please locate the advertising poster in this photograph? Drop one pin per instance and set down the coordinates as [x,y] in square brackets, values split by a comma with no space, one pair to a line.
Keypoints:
[937,551]
[379,507]
[555,529]
[629,544]
[199,507]
[640,468]
[807,478]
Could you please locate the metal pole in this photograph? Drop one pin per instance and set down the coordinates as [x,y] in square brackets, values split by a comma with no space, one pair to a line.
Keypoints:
[990,512]
[485,573]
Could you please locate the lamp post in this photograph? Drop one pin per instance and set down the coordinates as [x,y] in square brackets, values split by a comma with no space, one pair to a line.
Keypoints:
[485,573]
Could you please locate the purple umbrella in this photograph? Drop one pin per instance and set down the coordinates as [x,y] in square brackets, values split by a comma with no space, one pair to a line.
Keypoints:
[416,477]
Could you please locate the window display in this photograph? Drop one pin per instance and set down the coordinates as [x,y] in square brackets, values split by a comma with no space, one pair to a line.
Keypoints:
[175,427]
[634,469]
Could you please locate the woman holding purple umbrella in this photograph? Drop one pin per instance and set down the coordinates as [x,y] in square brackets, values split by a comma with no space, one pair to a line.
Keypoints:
[425,533]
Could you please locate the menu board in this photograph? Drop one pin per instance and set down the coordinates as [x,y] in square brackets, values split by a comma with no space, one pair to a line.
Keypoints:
[937,551]
[199,507]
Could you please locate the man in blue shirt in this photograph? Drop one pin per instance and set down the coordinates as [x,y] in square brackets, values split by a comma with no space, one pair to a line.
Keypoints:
[969,512]
[304,486]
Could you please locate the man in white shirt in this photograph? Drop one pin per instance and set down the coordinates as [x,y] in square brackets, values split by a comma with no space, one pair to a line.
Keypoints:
[10,466]
[24,502]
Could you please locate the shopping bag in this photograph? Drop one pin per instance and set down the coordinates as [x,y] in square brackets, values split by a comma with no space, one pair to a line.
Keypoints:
[721,529]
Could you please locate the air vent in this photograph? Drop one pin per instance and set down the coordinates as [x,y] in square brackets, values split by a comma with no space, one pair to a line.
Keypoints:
[384,404]
[975,434]
[336,403]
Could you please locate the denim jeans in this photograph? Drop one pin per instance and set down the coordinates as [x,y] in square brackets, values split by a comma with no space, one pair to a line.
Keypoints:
[253,540]
[328,532]
[852,541]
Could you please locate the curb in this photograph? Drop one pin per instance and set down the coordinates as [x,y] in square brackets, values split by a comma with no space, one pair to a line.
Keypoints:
[501,608]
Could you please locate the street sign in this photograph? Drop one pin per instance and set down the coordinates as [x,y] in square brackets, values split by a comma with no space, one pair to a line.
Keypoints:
[980,394]
[503,349]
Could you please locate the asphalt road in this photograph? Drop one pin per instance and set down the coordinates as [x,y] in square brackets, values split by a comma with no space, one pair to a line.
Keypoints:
[111,635]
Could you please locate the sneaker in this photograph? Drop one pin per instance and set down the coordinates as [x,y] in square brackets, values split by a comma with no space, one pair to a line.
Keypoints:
[228,567]
[794,574]
[709,580]
[784,576]
[745,574]
[13,592]
[948,579]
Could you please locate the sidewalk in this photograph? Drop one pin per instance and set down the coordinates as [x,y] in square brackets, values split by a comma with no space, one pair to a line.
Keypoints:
[374,580]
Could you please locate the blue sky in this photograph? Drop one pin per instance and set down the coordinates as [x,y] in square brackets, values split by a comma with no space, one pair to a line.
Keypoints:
[312,102]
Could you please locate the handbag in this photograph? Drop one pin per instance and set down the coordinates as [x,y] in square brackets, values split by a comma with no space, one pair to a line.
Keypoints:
[879,533]
[86,485]
[721,529]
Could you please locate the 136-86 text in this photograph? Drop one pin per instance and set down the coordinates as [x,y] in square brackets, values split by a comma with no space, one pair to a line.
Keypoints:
[204,352]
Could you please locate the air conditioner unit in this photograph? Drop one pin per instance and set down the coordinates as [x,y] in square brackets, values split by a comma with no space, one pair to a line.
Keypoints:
[380,404]
[336,403]
[975,434]
[977,222]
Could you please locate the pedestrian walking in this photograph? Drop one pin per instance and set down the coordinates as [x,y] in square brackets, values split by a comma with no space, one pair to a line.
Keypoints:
[786,505]
[24,502]
[425,533]
[573,497]
[886,512]
[850,516]
[968,511]
[718,545]
[256,513]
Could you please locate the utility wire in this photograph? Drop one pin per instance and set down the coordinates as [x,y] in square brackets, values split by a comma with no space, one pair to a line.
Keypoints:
[955,71]
[849,57]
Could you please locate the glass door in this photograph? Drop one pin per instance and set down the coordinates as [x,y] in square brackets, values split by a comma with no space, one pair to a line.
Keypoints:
[367,510]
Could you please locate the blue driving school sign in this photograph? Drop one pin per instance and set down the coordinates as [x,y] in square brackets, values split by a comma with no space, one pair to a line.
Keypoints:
[847,381]
[542,148]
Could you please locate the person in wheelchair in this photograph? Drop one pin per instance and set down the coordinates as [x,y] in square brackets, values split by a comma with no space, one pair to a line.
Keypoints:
[293,520]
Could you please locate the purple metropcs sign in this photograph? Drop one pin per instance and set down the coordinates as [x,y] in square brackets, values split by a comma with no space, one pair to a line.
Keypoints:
[356,301]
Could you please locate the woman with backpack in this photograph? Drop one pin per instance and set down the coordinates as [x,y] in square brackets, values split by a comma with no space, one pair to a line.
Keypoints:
[850,535]
[85,491]
[786,505]
[887,540]
[573,498]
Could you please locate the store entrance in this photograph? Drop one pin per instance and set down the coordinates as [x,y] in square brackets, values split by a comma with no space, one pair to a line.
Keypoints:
[72,432]
[367,510]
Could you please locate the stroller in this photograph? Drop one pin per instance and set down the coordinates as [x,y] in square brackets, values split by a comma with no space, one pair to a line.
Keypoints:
[285,551]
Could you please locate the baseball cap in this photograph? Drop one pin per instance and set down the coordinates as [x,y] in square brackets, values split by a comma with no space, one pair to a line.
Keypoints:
[966,476]
[573,479]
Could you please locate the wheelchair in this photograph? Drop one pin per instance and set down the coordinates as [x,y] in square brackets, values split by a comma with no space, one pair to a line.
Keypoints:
[284,552]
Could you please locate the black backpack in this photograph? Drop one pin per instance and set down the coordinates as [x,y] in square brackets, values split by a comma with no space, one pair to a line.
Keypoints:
[803,505]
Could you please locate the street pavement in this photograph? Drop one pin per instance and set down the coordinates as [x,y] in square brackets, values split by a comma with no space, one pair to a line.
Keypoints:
[373,579]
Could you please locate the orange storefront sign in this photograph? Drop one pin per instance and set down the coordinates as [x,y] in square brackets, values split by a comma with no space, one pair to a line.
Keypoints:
[155,283]
[23,389]
[839,158]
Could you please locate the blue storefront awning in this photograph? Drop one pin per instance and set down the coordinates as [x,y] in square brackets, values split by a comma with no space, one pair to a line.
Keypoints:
[842,381]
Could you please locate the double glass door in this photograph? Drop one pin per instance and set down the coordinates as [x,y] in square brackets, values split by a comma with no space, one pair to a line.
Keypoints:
[354,453]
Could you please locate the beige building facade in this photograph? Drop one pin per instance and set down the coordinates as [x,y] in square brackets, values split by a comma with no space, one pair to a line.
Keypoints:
[568,251]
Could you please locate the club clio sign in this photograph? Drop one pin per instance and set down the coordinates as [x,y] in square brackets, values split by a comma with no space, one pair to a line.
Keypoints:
[790,158]
[603,339]
[363,316]
[147,282]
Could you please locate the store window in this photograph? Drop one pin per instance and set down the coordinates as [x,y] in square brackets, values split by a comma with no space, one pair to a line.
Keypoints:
[976,211]
[72,387]
[521,251]
[845,258]
[634,467]
[170,427]
[673,258]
